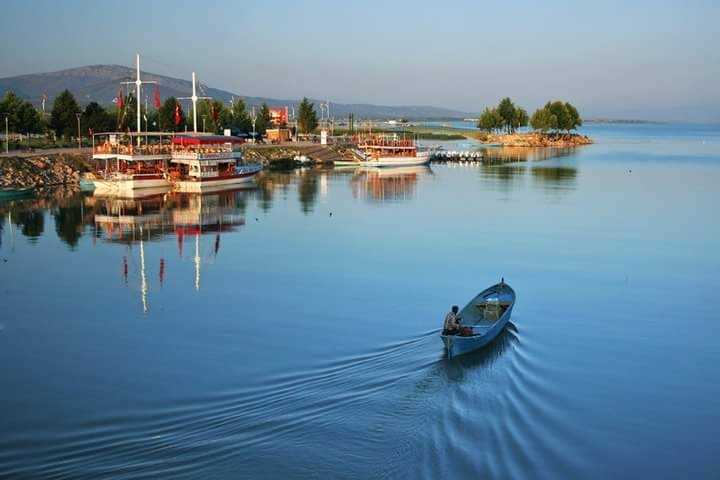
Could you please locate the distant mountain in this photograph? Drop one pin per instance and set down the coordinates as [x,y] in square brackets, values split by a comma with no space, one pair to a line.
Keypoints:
[100,83]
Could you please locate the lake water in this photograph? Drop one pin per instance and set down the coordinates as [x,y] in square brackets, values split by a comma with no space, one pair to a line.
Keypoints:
[252,334]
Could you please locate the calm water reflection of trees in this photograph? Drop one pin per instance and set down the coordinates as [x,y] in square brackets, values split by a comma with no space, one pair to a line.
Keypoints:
[72,211]
[507,167]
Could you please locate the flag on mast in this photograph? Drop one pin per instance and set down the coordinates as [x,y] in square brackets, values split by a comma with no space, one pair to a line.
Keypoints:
[178,114]
[119,100]
[156,98]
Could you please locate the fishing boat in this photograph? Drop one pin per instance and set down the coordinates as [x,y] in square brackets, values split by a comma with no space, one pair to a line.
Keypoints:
[9,193]
[389,151]
[482,320]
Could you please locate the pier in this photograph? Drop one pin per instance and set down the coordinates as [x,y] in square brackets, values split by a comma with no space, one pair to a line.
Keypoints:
[457,156]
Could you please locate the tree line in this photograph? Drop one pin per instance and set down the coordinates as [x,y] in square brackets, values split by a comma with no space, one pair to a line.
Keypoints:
[555,116]
[216,116]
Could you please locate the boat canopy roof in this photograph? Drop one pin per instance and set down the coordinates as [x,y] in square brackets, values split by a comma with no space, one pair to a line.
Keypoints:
[205,139]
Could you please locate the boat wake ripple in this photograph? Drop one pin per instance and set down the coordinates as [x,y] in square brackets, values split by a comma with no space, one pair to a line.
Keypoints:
[491,413]
[187,437]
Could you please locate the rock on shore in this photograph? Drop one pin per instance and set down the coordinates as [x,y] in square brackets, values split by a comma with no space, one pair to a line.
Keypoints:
[42,170]
[535,139]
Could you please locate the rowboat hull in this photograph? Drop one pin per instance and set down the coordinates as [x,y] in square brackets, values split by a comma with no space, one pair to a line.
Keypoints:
[483,334]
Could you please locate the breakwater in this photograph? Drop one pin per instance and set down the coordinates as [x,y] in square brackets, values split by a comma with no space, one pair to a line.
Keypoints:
[42,170]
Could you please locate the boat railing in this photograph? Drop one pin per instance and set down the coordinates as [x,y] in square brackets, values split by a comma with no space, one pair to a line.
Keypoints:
[110,149]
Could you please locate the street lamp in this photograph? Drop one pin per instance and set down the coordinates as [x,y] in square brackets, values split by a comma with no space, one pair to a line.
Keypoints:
[79,137]
[253,122]
[7,135]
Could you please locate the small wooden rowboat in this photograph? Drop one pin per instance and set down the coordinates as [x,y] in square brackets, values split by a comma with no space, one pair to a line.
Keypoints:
[483,319]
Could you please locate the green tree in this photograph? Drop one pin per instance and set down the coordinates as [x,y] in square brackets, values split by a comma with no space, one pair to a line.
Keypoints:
[543,120]
[490,120]
[307,117]
[63,118]
[239,117]
[213,113]
[95,117]
[560,111]
[263,120]
[575,120]
[166,116]
[22,115]
[556,116]
[520,119]
[506,110]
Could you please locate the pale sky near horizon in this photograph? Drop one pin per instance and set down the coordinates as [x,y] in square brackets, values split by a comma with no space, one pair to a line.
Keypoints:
[657,60]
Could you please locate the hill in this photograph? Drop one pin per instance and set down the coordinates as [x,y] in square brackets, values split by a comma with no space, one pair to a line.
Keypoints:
[100,83]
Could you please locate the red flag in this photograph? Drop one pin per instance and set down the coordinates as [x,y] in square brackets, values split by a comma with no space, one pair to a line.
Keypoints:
[178,115]
[157,97]
[119,100]
[214,113]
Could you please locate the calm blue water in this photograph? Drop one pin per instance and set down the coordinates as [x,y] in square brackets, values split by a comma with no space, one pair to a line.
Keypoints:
[252,334]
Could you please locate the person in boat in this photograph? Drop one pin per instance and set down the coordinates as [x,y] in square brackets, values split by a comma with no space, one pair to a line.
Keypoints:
[452,322]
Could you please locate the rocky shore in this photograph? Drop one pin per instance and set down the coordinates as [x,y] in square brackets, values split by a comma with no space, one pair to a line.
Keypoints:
[42,170]
[282,157]
[535,139]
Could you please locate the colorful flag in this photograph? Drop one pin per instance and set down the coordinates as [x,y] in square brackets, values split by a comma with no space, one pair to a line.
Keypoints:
[156,98]
[119,100]
[178,114]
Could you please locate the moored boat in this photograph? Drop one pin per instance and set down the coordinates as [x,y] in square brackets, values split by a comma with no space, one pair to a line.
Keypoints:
[129,166]
[208,163]
[134,160]
[9,193]
[483,318]
[389,151]
[202,163]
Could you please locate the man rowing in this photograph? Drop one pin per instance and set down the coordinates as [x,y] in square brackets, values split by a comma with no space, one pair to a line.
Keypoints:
[451,326]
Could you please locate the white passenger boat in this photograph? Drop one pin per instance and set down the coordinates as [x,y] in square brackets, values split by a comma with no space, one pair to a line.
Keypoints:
[128,166]
[204,163]
[390,151]
[132,161]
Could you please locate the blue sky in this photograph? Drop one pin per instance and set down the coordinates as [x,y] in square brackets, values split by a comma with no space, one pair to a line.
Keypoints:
[655,60]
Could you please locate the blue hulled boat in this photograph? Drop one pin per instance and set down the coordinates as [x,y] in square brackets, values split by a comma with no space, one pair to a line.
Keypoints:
[483,319]
[9,193]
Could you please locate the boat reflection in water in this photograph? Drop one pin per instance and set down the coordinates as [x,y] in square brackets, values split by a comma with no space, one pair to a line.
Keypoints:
[138,221]
[387,184]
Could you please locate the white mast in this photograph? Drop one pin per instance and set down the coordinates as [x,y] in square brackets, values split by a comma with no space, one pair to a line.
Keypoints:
[194,99]
[138,83]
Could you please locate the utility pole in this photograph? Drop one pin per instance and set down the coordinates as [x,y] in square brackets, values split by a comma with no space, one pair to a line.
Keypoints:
[7,135]
[204,123]
[79,137]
